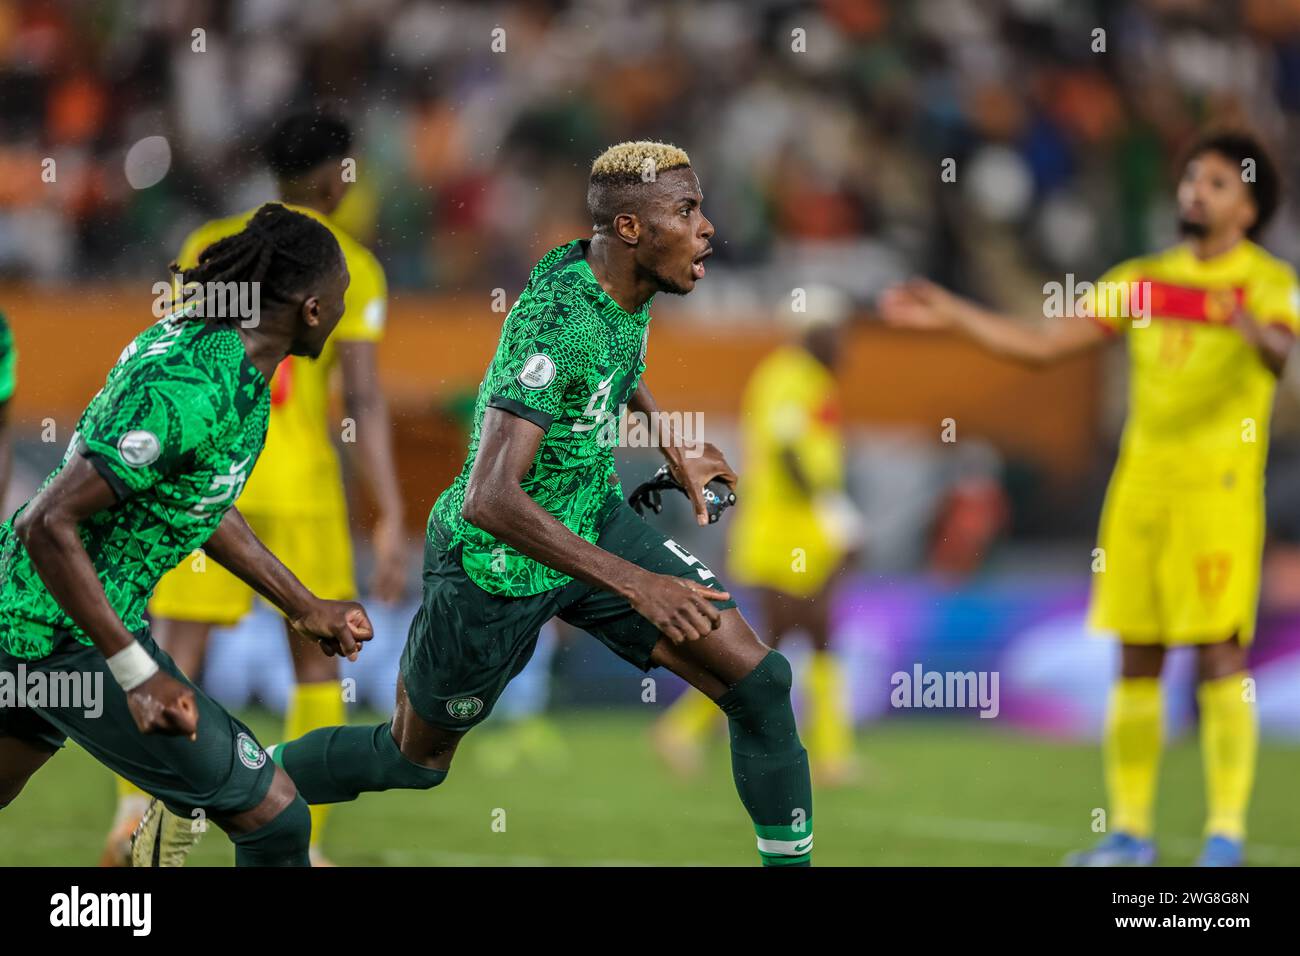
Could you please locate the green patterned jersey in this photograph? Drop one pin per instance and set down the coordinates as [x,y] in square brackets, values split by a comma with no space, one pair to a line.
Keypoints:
[568,360]
[8,360]
[175,431]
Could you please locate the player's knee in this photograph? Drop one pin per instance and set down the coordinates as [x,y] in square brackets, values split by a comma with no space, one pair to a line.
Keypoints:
[404,773]
[283,841]
[759,705]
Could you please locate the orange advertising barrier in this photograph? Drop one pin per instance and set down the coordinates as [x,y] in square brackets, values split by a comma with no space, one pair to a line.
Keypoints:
[437,348]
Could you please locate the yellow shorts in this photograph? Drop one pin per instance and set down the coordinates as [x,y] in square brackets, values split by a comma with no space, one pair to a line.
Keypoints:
[784,550]
[316,548]
[1180,567]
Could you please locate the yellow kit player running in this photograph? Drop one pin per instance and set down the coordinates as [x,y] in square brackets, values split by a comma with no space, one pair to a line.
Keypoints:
[294,500]
[1209,324]
[794,532]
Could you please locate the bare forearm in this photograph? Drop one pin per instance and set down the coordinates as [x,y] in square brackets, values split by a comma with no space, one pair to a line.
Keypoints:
[234,546]
[505,511]
[1004,336]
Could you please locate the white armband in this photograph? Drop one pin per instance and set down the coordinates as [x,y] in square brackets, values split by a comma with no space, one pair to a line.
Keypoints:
[132,666]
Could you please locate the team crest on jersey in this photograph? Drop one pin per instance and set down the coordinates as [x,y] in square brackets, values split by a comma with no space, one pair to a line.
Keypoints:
[539,371]
[250,754]
[139,448]
[464,708]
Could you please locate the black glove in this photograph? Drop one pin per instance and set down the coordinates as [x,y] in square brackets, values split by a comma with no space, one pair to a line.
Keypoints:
[717,496]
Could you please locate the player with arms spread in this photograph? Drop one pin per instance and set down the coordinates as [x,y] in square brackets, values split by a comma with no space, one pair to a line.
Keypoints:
[535,525]
[1209,323]
[152,473]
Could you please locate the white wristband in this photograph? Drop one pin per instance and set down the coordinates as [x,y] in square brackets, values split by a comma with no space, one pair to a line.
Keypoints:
[132,666]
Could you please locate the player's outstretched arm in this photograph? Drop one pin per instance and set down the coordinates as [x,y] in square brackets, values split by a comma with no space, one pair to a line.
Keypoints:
[496,502]
[920,304]
[363,397]
[692,464]
[48,529]
[338,626]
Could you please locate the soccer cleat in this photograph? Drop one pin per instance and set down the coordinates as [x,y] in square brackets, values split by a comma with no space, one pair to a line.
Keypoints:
[162,838]
[117,846]
[1118,849]
[1222,851]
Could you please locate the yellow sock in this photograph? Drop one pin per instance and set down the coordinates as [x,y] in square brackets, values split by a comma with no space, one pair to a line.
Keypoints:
[691,716]
[830,728]
[312,706]
[1131,753]
[131,801]
[1229,743]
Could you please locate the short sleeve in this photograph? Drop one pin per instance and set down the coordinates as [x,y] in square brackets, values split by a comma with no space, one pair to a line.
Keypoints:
[532,377]
[1276,301]
[365,304]
[8,361]
[148,427]
[1114,299]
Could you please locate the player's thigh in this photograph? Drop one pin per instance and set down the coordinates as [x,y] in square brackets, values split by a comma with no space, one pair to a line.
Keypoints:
[20,757]
[419,741]
[712,663]
[1211,567]
[224,771]
[1126,597]
[465,644]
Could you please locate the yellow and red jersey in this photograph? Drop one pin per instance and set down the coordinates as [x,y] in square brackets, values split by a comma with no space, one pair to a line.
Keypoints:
[298,472]
[1200,396]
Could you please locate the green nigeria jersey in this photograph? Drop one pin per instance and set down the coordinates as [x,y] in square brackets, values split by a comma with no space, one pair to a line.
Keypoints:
[568,360]
[8,360]
[175,431]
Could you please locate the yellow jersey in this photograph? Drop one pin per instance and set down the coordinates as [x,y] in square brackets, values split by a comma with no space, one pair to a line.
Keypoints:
[1200,397]
[778,539]
[298,471]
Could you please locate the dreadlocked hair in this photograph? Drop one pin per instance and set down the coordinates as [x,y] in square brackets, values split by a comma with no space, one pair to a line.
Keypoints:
[281,250]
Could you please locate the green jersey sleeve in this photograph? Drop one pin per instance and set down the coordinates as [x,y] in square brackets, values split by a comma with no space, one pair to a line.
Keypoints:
[540,356]
[148,426]
[8,361]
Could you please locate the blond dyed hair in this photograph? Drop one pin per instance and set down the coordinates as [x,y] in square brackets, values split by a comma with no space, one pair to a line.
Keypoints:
[632,160]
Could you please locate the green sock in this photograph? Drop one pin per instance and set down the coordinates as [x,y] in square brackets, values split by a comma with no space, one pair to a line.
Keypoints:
[282,842]
[335,764]
[769,763]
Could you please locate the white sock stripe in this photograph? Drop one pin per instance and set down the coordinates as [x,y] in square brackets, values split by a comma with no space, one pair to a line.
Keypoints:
[786,847]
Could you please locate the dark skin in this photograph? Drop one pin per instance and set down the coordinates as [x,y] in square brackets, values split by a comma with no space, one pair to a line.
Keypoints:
[48,528]
[659,246]
[1217,209]
[322,189]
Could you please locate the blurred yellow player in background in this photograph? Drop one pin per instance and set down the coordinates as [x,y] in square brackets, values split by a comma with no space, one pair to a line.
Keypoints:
[1209,323]
[294,501]
[794,530]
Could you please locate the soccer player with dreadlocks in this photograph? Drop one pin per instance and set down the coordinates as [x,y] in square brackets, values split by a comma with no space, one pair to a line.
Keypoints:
[152,472]
[296,502]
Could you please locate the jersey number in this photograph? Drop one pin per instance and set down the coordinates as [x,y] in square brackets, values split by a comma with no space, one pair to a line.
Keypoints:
[595,409]
[690,559]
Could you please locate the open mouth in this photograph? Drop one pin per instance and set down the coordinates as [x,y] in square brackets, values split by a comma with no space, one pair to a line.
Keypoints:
[697,264]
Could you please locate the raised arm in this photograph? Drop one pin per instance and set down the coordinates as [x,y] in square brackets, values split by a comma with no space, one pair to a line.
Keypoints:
[920,304]
[496,502]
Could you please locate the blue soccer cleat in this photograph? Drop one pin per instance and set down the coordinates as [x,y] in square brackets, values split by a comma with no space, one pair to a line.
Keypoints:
[1222,851]
[1118,849]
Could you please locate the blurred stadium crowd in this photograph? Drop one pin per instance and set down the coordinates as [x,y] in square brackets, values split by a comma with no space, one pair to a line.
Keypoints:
[818,126]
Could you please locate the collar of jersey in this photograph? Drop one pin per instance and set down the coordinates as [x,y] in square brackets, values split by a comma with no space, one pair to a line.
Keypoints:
[1224,263]
[642,315]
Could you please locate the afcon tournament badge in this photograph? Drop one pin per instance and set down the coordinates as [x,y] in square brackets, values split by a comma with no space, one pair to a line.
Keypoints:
[250,754]
[539,371]
[464,708]
[139,448]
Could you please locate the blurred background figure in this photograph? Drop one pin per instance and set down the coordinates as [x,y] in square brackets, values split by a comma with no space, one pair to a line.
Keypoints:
[796,532]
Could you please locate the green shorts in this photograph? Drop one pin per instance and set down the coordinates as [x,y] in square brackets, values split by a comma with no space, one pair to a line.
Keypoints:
[224,771]
[465,644]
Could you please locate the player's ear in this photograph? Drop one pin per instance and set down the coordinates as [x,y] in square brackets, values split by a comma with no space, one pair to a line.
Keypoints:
[628,228]
[311,311]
